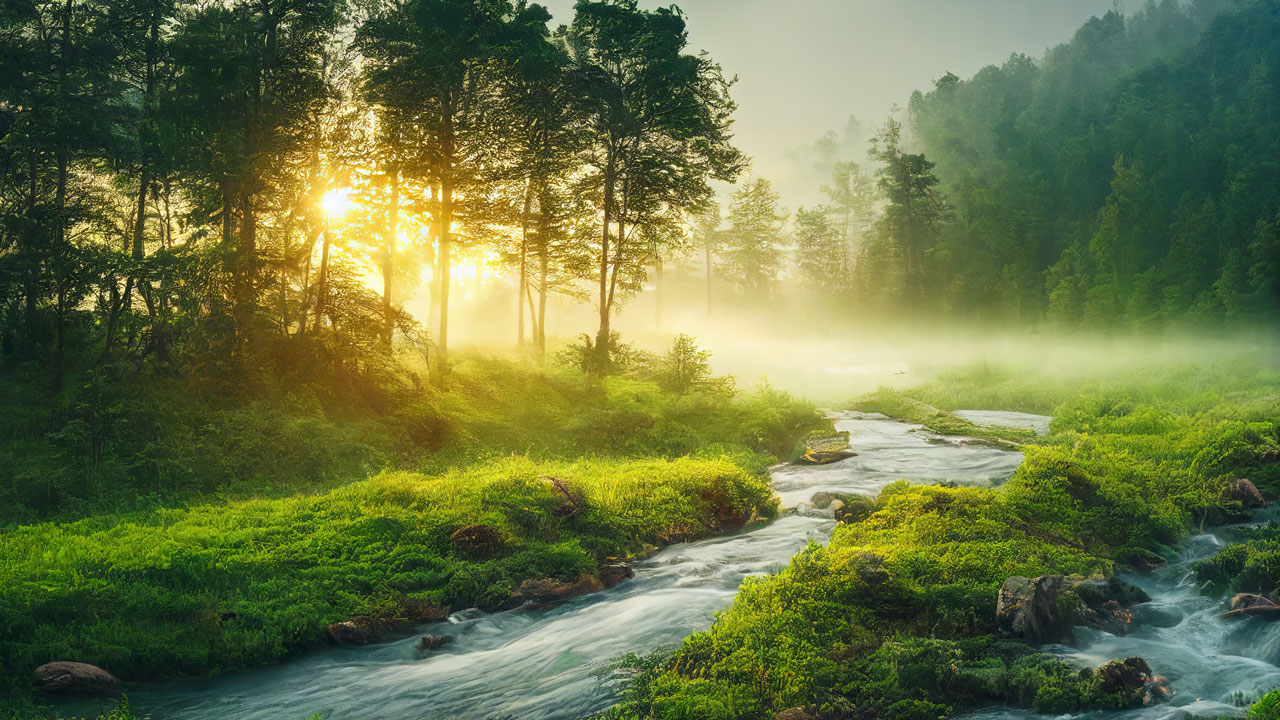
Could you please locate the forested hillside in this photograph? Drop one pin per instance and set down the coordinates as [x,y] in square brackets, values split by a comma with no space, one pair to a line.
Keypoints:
[1129,178]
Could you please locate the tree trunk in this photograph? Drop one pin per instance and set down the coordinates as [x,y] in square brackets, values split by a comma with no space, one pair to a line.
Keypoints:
[708,254]
[246,259]
[657,291]
[286,236]
[322,290]
[60,195]
[446,247]
[602,335]
[388,254]
[542,304]
[522,290]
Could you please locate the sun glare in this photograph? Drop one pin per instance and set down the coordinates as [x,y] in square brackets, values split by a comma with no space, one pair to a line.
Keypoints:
[336,201]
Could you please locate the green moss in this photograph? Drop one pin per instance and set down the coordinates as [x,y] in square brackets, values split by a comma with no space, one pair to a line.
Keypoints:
[896,405]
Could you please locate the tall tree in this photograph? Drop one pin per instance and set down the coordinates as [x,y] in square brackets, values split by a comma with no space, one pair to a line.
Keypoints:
[659,123]
[753,241]
[915,208]
[441,63]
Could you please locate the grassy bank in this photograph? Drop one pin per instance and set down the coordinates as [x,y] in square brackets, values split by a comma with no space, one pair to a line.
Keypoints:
[209,588]
[113,444]
[895,618]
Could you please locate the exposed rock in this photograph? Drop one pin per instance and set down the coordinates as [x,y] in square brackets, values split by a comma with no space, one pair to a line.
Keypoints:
[349,633]
[724,514]
[570,498]
[1132,681]
[1243,491]
[1045,609]
[824,450]
[613,572]
[1250,604]
[478,542]
[795,713]
[364,629]
[542,591]
[417,612]
[433,642]
[74,678]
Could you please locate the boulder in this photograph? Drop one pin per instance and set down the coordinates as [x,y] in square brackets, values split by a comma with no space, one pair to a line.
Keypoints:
[1243,491]
[613,572]
[433,642]
[1045,609]
[1131,681]
[74,678]
[825,450]
[349,633]
[1256,605]
[541,592]
[478,542]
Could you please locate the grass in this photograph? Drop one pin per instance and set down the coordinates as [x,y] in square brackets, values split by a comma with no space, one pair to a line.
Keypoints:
[896,405]
[895,617]
[210,588]
[122,444]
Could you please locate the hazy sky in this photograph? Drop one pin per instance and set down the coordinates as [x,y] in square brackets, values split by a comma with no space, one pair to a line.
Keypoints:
[804,66]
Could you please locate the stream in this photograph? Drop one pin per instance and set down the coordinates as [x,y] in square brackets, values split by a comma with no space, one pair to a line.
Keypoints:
[1217,667]
[555,662]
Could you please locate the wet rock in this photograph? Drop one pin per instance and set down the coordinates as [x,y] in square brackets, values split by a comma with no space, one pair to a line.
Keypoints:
[856,509]
[613,572]
[1251,604]
[1131,681]
[1243,491]
[825,450]
[1045,609]
[349,633]
[478,542]
[74,678]
[540,592]
[427,643]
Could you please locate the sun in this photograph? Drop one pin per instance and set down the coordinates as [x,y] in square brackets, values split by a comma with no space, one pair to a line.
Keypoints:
[336,201]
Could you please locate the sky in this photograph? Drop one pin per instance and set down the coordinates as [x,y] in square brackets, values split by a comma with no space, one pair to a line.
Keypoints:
[805,66]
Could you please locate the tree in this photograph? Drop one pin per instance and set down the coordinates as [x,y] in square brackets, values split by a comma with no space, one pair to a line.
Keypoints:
[708,236]
[822,256]
[441,62]
[753,253]
[915,209]
[658,120]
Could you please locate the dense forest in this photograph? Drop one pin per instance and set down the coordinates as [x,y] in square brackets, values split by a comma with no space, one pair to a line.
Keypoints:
[1124,180]
[234,430]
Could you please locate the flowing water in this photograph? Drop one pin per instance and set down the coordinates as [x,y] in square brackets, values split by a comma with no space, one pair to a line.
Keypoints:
[1216,666]
[554,663]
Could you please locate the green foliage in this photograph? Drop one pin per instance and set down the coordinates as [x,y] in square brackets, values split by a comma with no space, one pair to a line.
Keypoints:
[1267,708]
[684,366]
[210,588]
[894,404]
[1252,566]
[894,617]
[1115,181]
[116,444]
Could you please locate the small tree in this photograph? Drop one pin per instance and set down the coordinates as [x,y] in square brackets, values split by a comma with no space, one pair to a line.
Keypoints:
[685,365]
